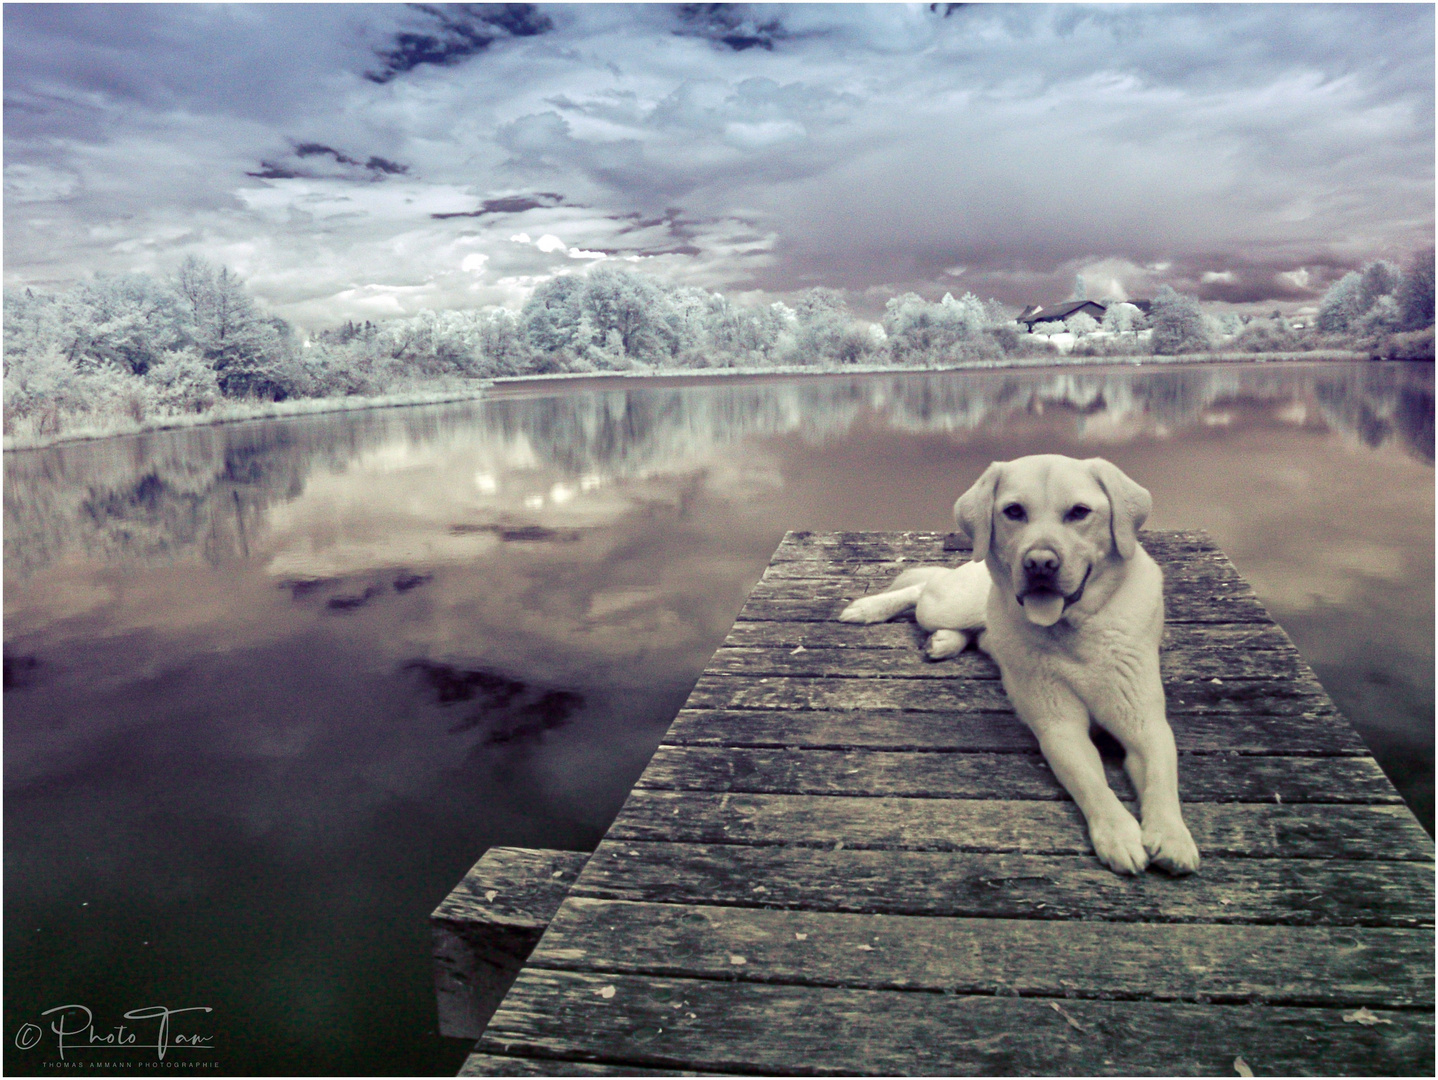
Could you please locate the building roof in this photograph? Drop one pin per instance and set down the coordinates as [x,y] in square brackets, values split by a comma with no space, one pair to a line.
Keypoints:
[1058,312]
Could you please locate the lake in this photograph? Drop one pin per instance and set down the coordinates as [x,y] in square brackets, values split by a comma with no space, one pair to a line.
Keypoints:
[271,688]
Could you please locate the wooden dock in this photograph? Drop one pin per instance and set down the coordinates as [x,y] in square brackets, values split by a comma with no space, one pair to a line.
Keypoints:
[846,859]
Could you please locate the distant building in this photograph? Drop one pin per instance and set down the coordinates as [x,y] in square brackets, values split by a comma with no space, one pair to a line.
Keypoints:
[1040,313]
[1034,314]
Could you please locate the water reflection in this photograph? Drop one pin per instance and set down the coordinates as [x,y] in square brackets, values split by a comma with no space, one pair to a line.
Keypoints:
[271,687]
[205,493]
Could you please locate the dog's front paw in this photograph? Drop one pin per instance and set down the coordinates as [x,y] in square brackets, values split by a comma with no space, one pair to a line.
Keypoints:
[869,609]
[1118,842]
[943,644]
[1170,847]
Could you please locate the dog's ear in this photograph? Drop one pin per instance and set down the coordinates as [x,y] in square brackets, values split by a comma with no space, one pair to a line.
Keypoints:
[1129,504]
[974,512]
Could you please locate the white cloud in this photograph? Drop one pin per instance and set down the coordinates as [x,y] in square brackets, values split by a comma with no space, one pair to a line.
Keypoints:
[550,243]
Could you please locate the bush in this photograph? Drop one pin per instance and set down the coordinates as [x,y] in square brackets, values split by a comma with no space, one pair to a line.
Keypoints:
[1413,345]
[1266,335]
[183,383]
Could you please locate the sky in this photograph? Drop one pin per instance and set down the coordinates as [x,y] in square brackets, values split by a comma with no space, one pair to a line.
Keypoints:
[359,161]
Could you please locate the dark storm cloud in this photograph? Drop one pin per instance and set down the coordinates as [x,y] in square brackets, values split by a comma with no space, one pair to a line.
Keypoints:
[510,204]
[449,33]
[374,168]
[1234,151]
[734,26]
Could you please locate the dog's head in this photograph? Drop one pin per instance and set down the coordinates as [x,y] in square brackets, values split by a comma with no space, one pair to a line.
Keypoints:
[1047,524]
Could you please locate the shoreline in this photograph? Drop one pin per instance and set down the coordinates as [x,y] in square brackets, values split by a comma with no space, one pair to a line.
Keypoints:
[280,410]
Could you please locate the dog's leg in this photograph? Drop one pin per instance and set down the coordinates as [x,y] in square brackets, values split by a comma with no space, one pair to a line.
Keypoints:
[1060,720]
[1152,764]
[1151,761]
[881,606]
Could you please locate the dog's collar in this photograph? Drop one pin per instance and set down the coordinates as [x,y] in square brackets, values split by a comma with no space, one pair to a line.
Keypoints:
[1072,598]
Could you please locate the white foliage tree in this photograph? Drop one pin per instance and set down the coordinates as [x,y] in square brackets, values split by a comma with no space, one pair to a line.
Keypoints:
[1178,323]
[1123,318]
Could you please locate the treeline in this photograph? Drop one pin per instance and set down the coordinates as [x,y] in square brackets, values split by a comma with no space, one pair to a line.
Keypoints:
[135,346]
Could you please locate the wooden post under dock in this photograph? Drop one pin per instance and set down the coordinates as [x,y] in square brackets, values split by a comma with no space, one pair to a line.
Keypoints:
[846,859]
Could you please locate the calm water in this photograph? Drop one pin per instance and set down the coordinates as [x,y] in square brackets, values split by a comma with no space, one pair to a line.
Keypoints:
[271,688]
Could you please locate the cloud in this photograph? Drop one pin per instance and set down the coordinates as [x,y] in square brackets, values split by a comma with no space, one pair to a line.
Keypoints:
[754,149]
[446,34]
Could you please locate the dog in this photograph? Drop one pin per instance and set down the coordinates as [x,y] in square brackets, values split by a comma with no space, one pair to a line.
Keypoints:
[1065,599]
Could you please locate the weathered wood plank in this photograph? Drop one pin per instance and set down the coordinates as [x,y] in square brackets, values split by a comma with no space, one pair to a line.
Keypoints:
[755,1028]
[1318,734]
[792,603]
[482,1063]
[967,775]
[1216,640]
[1322,965]
[1192,589]
[1187,665]
[1164,545]
[485,928]
[1256,830]
[1272,697]
[1184,573]
[1299,892]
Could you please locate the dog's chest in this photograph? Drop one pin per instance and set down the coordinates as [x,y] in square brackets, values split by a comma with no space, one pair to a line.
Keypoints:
[1091,661]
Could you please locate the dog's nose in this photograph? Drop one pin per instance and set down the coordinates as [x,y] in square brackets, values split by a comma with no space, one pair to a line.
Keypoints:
[1041,561]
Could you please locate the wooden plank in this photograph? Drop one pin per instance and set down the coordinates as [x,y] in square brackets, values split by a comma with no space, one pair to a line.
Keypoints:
[483,1063]
[1271,697]
[794,604]
[754,1028]
[1254,830]
[1175,665]
[1184,573]
[1164,545]
[1298,892]
[966,775]
[486,927]
[1205,643]
[1311,965]
[1319,734]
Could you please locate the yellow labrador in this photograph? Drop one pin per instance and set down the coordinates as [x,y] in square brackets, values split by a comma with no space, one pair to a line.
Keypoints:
[1067,602]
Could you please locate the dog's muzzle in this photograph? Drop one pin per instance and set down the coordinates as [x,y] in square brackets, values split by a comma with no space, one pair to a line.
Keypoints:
[1045,606]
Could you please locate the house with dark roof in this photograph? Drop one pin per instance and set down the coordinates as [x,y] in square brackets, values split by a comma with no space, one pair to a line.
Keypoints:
[1034,314]
[1041,313]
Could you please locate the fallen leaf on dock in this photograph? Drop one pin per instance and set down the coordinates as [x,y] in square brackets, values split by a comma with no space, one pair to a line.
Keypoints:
[797,649]
[1365,1017]
[1241,1067]
[737,960]
[1056,1007]
[800,937]
[606,992]
[490,894]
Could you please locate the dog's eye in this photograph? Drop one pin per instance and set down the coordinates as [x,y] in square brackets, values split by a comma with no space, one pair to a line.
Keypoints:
[1015,512]
[1077,513]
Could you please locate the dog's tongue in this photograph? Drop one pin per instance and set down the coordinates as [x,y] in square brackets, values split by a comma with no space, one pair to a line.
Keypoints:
[1044,608]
